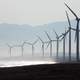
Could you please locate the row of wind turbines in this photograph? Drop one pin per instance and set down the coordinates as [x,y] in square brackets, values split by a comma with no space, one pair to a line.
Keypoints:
[58,39]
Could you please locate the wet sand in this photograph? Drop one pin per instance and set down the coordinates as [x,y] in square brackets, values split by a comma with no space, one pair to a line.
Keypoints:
[58,71]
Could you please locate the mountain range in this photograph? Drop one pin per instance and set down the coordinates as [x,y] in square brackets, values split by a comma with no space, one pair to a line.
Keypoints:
[14,32]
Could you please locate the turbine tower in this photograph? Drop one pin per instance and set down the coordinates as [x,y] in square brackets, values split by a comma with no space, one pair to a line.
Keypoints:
[77,32]
[10,49]
[32,44]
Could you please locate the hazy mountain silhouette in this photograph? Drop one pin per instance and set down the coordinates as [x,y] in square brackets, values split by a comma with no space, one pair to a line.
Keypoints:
[13,32]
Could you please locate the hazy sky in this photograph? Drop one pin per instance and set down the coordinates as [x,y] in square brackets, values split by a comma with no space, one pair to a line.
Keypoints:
[35,12]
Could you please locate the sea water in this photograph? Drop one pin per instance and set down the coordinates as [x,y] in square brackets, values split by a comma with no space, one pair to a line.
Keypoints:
[32,60]
[25,61]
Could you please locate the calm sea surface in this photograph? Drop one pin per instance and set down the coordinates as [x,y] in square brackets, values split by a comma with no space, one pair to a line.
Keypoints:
[27,60]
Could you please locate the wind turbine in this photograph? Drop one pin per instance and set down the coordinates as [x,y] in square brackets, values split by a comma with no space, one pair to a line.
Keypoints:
[22,47]
[50,43]
[10,48]
[77,31]
[63,38]
[69,36]
[57,40]
[32,44]
[42,46]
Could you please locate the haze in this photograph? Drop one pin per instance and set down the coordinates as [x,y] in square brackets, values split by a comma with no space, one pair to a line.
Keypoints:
[35,12]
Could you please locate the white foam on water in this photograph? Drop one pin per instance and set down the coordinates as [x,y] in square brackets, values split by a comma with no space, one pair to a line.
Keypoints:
[23,63]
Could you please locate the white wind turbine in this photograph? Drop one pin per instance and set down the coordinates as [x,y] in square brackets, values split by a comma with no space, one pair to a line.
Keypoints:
[10,48]
[64,38]
[57,42]
[22,48]
[42,46]
[32,44]
[50,43]
[77,31]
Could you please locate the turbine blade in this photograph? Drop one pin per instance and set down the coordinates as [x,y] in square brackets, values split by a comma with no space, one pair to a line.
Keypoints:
[40,39]
[60,36]
[55,32]
[66,32]
[47,35]
[71,10]
[74,29]
[35,41]
[68,19]
[48,45]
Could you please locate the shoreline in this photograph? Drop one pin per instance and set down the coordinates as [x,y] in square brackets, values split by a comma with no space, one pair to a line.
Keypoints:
[59,71]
